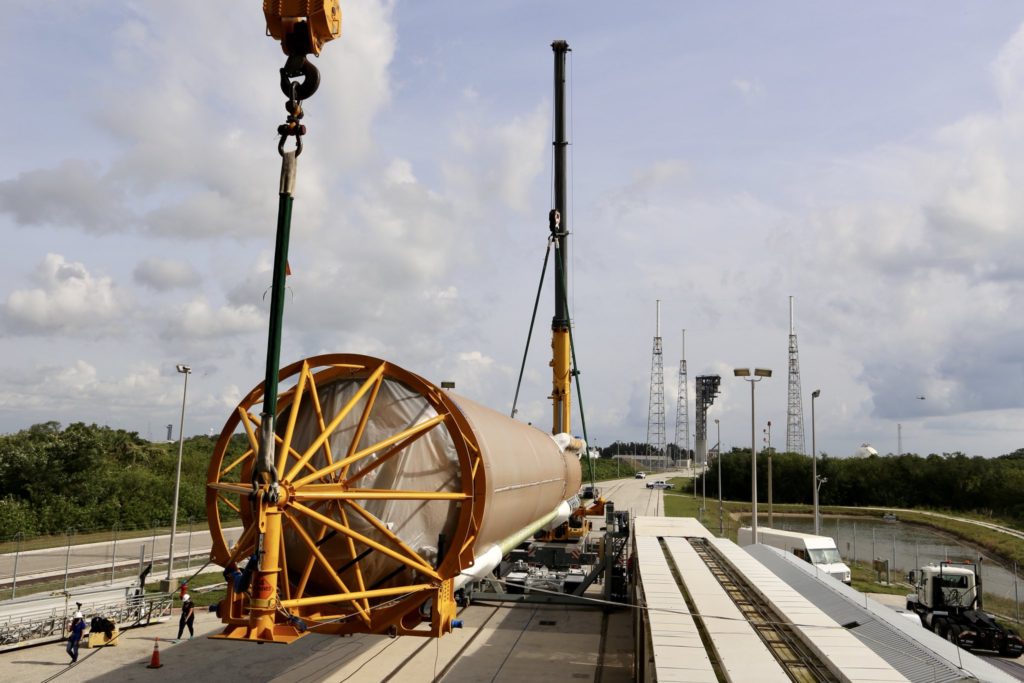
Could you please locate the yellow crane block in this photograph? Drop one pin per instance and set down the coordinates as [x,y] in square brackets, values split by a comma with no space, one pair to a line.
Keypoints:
[320,21]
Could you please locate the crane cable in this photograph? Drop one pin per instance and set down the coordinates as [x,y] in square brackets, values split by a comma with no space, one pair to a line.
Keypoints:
[533,320]
[572,347]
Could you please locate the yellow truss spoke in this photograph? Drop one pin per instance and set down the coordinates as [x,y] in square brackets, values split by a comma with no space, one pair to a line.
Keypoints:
[326,566]
[227,502]
[245,542]
[378,593]
[247,422]
[379,526]
[280,441]
[293,415]
[236,462]
[320,420]
[415,429]
[418,564]
[300,587]
[241,489]
[364,418]
[374,377]
[342,492]
[352,551]
[384,458]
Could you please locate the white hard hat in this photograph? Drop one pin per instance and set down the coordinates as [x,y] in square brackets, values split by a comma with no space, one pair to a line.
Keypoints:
[185,597]
[78,615]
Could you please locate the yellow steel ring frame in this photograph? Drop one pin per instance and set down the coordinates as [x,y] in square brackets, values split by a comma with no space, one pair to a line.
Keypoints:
[341,569]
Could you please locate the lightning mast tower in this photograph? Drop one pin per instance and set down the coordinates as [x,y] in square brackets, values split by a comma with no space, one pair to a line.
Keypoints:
[795,411]
[683,408]
[656,405]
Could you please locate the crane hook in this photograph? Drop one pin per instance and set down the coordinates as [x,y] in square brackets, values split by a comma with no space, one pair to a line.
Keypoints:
[296,66]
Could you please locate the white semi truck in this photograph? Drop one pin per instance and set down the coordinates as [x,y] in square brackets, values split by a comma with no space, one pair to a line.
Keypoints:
[820,551]
[947,597]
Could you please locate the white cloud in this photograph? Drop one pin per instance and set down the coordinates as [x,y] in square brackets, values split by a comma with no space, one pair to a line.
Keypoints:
[165,274]
[198,320]
[498,161]
[67,300]
[747,87]
[419,222]
[73,194]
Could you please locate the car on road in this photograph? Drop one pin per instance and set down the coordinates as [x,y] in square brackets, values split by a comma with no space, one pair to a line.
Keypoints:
[640,475]
[659,484]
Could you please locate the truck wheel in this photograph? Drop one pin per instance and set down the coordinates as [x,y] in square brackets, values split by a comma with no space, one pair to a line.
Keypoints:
[1005,652]
[951,635]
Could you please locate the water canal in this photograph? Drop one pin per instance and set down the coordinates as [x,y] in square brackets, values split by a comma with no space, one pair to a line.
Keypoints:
[906,546]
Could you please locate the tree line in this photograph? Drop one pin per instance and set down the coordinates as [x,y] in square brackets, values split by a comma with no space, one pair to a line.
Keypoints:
[626,448]
[55,478]
[951,481]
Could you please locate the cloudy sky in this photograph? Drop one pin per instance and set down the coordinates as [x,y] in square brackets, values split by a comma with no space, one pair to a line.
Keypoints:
[861,158]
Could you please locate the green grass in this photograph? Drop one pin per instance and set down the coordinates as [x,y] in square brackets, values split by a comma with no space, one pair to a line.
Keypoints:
[865,579]
[605,469]
[203,598]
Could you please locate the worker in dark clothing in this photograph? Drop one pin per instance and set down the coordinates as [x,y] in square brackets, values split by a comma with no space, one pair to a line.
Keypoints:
[77,629]
[188,616]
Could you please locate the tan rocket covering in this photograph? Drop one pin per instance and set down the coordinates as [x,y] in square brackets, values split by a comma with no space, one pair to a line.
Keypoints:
[527,473]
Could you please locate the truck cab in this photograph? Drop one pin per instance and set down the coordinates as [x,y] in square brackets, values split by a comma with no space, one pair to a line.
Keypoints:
[947,598]
[944,587]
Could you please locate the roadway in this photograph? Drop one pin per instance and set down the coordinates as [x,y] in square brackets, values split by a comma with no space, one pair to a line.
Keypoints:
[49,563]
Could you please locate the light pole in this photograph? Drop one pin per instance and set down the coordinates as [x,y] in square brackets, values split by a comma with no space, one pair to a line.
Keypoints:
[704,489]
[814,461]
[758,374]
[768,450]
[820,481]
[718,457]
[185,370]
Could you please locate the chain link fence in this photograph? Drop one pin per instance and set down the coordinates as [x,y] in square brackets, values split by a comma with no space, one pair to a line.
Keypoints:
[55,563]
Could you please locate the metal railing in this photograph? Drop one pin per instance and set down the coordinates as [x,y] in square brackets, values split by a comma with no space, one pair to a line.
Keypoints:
[53,563]
[51,625]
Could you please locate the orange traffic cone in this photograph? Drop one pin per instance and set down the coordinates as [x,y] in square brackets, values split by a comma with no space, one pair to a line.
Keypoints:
[154,661]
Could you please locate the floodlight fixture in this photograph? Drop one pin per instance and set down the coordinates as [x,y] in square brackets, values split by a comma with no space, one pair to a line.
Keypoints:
[184,369]
[759,374]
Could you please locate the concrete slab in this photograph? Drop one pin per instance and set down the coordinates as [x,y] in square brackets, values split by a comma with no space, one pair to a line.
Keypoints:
[506,643]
